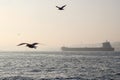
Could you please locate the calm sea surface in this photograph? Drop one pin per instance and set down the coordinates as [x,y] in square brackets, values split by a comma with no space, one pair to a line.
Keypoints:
[59,65]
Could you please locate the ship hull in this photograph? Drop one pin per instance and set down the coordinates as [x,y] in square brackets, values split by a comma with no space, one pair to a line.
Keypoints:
[87,49]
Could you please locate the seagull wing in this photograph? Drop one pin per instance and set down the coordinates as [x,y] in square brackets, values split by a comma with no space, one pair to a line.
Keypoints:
[57,7]
[63,6]
[35,43]
[21,44]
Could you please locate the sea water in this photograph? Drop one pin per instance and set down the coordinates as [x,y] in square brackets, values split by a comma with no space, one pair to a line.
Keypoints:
[60,65]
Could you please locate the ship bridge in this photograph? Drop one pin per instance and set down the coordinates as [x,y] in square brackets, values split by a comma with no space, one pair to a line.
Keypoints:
[106,45]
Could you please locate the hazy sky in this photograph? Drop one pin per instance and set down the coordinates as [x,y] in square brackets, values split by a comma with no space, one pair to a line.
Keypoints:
[82,22]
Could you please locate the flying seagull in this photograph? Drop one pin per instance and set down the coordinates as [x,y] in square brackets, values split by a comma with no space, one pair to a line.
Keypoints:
[33,45]
[61,8]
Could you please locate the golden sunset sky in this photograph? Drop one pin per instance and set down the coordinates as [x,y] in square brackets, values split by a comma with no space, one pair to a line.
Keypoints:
[82,22]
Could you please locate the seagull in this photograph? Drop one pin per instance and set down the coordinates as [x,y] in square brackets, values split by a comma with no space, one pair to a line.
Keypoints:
[29,45]
[61,8]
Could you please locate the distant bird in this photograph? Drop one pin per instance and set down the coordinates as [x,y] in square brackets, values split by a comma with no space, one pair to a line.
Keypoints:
[33,45]
[61,8]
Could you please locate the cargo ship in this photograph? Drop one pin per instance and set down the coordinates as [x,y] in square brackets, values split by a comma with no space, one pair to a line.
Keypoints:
[106,46]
